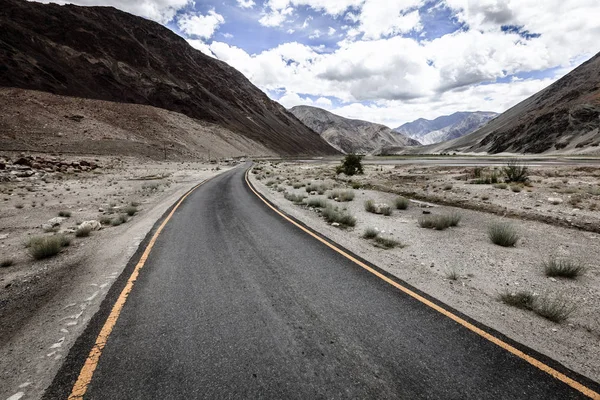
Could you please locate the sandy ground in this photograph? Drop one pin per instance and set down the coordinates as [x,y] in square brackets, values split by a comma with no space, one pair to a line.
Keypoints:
[46,304]
[485,270]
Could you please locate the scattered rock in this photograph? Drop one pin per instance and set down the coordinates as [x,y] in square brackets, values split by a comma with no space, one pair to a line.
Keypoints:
[93,224]
[56,221]
[555,200]
[426,212]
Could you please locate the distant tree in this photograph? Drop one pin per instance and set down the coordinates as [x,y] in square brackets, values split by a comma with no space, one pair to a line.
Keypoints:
[351,165]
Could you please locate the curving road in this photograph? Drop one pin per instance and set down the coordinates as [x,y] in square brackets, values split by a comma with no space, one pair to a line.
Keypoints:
[236,302]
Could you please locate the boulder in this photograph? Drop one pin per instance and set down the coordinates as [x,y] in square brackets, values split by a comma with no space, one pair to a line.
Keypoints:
[93,224]
[56,221]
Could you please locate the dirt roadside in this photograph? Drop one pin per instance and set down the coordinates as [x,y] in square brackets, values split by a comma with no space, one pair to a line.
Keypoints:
[484,270]
[46,304]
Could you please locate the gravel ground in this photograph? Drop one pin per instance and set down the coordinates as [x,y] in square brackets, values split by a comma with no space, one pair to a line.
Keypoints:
[485,270]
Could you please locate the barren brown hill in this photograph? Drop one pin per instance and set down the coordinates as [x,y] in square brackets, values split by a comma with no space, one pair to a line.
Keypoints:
[105,54]
[39,121]
[564,117]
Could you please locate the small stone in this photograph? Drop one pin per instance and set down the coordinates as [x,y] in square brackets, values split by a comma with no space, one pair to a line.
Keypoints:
[554,330]
[553,279]
[335,224]
[426,212]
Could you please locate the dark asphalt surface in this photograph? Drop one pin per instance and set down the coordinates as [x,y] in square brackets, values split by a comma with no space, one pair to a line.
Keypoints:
[235,302]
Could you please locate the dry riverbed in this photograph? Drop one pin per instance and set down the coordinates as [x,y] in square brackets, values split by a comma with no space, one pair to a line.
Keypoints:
[46,303]
[460,265]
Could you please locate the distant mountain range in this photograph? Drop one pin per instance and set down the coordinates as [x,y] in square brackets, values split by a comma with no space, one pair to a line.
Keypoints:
[562,118]
[102,53]
[445,128]
[351,135]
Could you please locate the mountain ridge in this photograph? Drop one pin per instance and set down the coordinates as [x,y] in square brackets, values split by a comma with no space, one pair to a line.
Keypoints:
[350,135]
[102,53]
[445,127]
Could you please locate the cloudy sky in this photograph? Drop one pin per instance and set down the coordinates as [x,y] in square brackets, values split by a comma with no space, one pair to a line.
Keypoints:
[388,61]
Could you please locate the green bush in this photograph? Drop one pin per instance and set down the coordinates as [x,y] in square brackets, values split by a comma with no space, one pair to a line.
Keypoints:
[501,186]
[521,299]
[401,203]
[503,234]
[515,171]
[351,165]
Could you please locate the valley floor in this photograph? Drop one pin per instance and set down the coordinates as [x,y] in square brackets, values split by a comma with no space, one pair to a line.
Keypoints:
[460,266]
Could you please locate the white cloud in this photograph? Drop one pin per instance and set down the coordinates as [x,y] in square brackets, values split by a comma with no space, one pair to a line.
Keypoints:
[380,18]
[331,31]
[203,26]
[275,17]
[246,3]
[200,45]
[290,31]
[162,11]
[291,99]
[316,34]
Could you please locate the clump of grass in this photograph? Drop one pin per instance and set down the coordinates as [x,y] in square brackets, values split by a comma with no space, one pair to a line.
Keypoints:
[19,205]
[447,186]
[563,268]
[355,185]
[65,214]
[316,202]
[7,262]
[294,198]
[130,210]
[270,182]
[370,233]
[341,195]
[370,206]
[516,188]
[503,234]
[320,188]
[401,203]
[555,309]
[515,171]
[501,186]
[83,231]
[297,185]
[521,299]
[118,220]
[386,243]
[333,214]
[439,222]
[452,274]
[105,220]
[46,246]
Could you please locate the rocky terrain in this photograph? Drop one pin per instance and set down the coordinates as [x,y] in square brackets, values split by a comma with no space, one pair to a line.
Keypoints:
[446,127]
[564,118]
[350,135]
[40,121]
[470,278]
[102,53]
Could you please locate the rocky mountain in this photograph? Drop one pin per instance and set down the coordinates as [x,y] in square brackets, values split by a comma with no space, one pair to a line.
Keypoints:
[350,135]
[102,53]
[446,127]
[562,118]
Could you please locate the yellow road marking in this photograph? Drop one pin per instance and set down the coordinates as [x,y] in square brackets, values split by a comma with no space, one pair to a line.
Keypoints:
[87,371]
[533,361]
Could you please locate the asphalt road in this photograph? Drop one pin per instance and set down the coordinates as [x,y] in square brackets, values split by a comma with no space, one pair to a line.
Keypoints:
[236,302]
